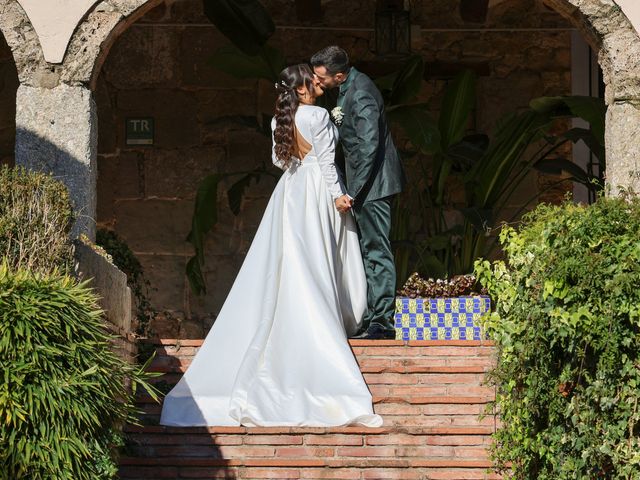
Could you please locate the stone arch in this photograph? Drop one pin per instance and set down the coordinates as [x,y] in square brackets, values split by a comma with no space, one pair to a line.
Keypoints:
[602,23]
[87,47]
[607,28]
[8,85]
[52,92]
[21,38]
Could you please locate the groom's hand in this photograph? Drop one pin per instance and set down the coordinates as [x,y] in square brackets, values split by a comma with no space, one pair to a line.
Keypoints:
[343,203]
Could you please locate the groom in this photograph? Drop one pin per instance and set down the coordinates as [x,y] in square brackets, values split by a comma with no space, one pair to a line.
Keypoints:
[373,176]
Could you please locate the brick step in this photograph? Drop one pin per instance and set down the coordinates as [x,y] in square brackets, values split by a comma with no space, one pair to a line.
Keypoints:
[351,457]
[333,431]
[134,472]
[392,384]
[370,365]
[408,398]
[183,472]
[445,357]
[451,420]
[431,395]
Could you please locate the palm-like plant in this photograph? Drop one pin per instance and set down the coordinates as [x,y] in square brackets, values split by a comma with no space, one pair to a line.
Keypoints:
[490,171]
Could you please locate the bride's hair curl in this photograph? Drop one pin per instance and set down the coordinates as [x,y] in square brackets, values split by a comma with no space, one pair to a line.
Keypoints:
[286,106]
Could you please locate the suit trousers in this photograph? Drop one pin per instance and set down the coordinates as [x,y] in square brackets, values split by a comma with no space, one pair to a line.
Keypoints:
[374,225]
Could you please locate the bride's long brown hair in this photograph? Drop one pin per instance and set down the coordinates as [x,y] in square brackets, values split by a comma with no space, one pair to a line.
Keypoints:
[286,106]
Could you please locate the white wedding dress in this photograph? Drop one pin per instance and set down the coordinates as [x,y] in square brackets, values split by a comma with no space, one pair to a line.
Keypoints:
[278,354]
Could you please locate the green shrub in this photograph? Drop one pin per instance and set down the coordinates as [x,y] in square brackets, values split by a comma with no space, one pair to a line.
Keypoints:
[567,329]
[35,220]
[64,391]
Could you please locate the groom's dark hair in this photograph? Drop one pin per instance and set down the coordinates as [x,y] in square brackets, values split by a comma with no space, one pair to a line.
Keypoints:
[333,58]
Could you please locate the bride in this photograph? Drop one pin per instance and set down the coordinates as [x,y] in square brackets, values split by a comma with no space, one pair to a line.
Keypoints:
[278,354]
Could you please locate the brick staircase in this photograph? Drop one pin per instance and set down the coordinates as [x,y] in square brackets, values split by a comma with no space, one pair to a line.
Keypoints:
[430,394]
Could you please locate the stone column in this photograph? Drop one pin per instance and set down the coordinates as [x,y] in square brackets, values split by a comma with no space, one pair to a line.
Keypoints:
[622,140]
[56,132]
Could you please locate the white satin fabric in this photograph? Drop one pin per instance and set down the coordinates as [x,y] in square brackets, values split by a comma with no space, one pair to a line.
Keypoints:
[278,354]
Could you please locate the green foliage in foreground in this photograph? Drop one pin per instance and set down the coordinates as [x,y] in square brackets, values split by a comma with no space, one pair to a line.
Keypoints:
[64,390]
[567,325]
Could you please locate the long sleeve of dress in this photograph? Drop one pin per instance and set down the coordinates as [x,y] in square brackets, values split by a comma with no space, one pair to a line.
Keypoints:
[323,140]
[278,163]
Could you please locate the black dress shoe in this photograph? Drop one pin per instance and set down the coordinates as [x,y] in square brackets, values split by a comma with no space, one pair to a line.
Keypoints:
[376,332]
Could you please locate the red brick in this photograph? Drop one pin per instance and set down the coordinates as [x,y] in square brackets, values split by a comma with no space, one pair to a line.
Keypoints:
[331,473]
[452,409]
[286,462]
[396,439]
[380,390]
[471,451]
[461,474]
[470,390]
[395,474]
[223,472]
[428,451]
[450,462]
[444,369]
[263,473]
[457,440]
[451,399]
[417,391]
[474,379]
[379,364]
[367,462]
[397,409]
[273,440]
[365,452]
[186,451]
[202,439]
[246,451]
[227,440]
[438,421]
[352,440]
[304,452]
[389,378]
[367,430]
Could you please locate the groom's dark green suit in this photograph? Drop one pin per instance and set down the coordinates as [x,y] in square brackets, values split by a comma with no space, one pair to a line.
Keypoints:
[373,176]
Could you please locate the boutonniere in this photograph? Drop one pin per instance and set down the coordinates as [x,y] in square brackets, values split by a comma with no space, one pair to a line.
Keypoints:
[337,115]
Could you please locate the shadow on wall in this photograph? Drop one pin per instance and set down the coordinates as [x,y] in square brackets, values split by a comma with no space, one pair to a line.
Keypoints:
[8,87]
[35,152]
[189,452]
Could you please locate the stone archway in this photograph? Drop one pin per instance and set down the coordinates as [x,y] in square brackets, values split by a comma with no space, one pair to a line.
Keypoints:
[610,33]
[56,120]
[55,104]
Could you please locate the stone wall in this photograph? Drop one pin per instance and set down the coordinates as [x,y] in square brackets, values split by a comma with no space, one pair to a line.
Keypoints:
[114,295]
[160,67]
[8,88]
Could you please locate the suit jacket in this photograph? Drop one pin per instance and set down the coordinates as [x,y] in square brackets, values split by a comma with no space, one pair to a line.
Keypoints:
[372,164]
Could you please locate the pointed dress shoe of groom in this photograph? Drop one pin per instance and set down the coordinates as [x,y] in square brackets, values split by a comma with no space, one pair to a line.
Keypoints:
[375,332]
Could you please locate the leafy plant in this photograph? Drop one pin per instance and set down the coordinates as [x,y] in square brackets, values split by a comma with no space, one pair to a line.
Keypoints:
[64,391]
[248,26]
[35,221]
[488,170]
[125,260]
[205,215]
[567,330]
